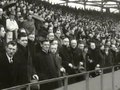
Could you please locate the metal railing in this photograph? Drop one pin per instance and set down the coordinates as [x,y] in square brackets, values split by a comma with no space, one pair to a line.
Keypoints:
[66,77]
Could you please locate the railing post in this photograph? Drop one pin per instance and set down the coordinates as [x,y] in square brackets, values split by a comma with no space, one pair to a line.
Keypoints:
[87,81]
[101,79]
[66,83]
[28,87]
[113,78]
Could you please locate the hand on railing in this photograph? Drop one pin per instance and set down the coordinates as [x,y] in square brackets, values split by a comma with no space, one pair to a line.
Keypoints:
[70,65]
[35,77]
[90,60]
[98,69]
[62,69]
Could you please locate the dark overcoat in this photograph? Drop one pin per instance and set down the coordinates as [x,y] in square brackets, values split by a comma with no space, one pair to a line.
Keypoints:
[6,72]
[45,67]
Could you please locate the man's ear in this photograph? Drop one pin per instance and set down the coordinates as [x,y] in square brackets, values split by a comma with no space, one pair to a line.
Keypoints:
[6,47]
[16,49]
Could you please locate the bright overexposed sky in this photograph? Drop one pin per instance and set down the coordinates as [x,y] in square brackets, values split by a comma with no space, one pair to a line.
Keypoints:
[81,6]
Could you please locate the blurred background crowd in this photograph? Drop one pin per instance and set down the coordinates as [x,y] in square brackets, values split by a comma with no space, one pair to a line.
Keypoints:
[47,41]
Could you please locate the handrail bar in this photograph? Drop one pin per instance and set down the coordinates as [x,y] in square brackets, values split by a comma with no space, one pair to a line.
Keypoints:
[59,78]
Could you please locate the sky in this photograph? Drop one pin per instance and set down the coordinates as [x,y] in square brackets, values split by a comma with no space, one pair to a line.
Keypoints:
[81,6]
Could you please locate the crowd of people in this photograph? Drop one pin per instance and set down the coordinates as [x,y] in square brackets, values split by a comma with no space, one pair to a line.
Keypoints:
[40,41]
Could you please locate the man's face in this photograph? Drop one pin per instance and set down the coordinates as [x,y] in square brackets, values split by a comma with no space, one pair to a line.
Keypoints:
[108,43]
[31,37]
[21,19]
[45,46]
[73,43]
[81,46]
[18,14]
[85,49]
[2,32]
[46,25]
[113,47]
[53,49]
[50,30]
[51,36]
[58,33]
[66,42]
[23,41]
[18,9]
[11,50]
[92,45]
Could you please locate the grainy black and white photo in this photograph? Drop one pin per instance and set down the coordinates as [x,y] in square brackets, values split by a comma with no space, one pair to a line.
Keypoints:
[59,44]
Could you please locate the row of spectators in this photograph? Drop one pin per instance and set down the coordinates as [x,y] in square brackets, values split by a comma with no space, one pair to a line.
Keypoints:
[41,41]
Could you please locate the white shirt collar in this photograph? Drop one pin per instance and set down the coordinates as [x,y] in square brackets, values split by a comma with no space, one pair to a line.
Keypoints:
[9,58]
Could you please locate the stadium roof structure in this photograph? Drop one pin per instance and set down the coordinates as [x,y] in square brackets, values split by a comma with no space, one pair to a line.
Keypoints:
[104,5]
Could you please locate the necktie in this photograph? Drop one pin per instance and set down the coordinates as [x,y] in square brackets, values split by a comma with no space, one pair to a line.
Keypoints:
[11,61]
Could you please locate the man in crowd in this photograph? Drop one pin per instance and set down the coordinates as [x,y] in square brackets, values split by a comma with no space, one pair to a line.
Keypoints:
[7,65]
[76,60]
[50,37]
[24,69]
[58,62]
[58,38]
[45,65]
[2,38]
[64,53]
[76,55]
[12,27]
[94,58]
[29,25]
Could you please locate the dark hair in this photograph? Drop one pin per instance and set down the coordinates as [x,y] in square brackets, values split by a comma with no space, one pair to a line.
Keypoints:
[19,30]
[44,41]
[22,35]
[11,43]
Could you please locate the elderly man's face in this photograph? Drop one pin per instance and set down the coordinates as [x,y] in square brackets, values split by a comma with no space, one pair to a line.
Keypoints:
[53,49]
[73,43]
[51,36]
